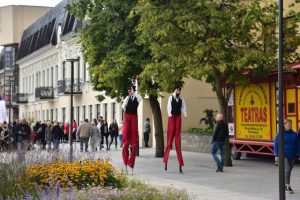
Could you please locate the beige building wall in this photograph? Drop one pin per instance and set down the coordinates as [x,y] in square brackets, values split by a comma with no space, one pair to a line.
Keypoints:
[15,19]
[198,97]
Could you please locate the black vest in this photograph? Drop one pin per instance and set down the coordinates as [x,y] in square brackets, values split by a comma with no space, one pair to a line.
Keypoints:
[132,106]
[176,106]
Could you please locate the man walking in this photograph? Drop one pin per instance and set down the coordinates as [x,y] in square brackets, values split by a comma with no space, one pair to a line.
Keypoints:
[220,134]
[84,134]
[130,127]
[147,130]
[176,107]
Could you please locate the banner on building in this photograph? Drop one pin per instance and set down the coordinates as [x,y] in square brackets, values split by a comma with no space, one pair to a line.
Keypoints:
[2,110]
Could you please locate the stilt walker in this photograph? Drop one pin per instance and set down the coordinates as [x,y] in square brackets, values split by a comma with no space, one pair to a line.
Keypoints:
[130,127]
[176,107]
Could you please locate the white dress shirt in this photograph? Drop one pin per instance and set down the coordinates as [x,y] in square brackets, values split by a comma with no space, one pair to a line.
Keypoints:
[169,106]
[135,95]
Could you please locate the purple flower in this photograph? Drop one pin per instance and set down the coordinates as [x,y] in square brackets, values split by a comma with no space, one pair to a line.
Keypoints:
[28,196]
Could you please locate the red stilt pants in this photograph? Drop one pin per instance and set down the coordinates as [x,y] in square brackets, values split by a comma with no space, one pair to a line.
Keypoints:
[130,137]
[174,130]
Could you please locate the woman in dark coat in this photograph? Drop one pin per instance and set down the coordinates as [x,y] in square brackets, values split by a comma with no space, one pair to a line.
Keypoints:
[104,132]
[113,130]
[56,133]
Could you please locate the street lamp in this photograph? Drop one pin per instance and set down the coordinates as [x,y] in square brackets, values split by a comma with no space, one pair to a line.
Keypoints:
[72,60]
[280,102]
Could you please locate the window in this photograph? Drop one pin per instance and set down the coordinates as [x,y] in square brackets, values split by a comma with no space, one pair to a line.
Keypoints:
[84,71]
[37,80]
[44,78]
[91,111]
[56,75]
[33,86]
[24,87]
[64,70]
[105,111]
[291,108]
[47,115]
[43,115]
[63,115]
[51,78]
[113,105]
[56,114]
[30,85]
[47,78]
[84,114]
[51,114]
[78,114]
[78,69]
[98,111]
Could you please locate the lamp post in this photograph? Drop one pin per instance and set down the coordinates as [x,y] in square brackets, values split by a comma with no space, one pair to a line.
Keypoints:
[71,108]
[280,102]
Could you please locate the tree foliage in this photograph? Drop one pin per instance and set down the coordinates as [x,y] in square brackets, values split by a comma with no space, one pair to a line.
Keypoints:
[215,40]
[108,42]
[115,58]
[208,39]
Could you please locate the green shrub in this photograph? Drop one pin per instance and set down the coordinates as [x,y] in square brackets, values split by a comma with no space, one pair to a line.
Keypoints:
[136,190]
[9,172]
[206,130]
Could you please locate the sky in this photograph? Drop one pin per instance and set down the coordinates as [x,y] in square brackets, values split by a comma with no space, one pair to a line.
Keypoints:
[51,3]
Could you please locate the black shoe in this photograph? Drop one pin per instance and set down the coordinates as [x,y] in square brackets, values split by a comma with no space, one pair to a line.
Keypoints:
[180,170]
[220,169]
[166,167]
[289,190]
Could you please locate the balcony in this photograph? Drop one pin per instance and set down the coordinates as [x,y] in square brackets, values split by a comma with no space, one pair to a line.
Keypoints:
[64,86]
[44,93]
[20,98]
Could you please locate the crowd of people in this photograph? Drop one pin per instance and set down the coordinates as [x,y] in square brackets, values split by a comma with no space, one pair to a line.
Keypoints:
[47,135]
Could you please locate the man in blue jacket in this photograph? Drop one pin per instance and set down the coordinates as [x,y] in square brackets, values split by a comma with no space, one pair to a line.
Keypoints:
[291,152]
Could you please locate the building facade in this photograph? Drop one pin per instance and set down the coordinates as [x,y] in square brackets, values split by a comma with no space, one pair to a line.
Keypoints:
[13,21]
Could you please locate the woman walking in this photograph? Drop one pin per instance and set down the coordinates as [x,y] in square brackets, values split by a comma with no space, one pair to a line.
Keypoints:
[113,130]
[95,136]
[104,132]
[291,151]
[48,133]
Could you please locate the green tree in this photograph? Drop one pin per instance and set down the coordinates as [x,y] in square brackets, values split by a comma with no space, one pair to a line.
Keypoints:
[115,57]
[214,40]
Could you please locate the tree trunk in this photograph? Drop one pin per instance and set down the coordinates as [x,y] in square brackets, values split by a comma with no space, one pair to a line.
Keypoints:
[223,110]
[158,132]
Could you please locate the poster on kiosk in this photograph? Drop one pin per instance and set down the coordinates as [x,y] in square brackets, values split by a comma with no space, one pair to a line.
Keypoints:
[253,120]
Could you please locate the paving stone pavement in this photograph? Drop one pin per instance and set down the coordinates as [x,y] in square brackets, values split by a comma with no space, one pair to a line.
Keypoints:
[253,178]
[248,179]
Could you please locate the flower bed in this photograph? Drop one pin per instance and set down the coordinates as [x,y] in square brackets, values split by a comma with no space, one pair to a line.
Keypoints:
[77,174]
[83,180]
